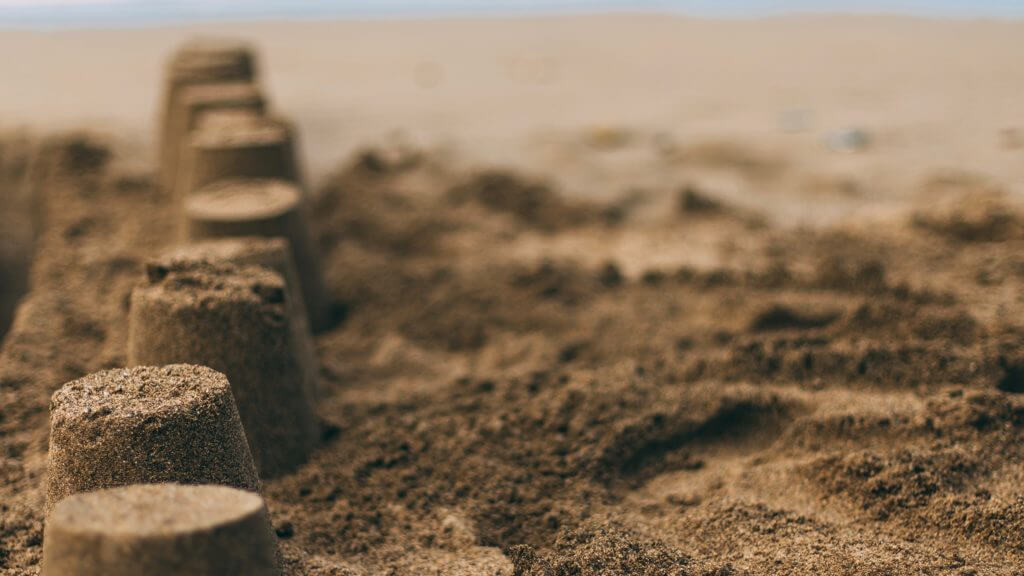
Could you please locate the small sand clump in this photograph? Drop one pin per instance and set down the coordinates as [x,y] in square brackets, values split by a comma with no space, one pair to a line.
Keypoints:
[160,530]
[147,424]
[601,549]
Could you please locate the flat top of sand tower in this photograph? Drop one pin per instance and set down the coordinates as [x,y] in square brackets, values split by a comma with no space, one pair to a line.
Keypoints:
[147,510]
[192,282]
[238,130]
[138,392]
[243,200]
[221,93]
[202,57]
[207,45]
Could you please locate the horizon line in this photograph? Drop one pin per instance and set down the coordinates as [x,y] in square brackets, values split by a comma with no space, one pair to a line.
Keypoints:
[128,14]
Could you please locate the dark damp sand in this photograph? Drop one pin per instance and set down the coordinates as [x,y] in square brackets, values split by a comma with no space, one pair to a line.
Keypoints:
[160,530]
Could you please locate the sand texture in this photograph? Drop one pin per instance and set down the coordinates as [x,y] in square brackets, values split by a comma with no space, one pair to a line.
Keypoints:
[128,426]
[626,296]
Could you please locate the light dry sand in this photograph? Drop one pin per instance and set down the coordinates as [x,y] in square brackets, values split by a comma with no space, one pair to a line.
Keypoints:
[933,94]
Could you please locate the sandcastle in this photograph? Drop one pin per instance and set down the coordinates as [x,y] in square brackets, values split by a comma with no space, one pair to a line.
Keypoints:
[268,208]
[160,530]
[235,320]
[196,102]
[272,253]
[176,423]
[201,61]
[152,469]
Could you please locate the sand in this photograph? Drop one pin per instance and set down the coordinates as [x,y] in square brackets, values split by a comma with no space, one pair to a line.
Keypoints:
[236,320]
[160,529]
[174,423]
[267,208]
[606,307]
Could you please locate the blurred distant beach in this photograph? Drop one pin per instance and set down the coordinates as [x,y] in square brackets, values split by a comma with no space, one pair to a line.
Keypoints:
[86,13]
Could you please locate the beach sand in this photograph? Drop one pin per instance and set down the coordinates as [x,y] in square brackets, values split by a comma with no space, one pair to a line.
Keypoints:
[613,294]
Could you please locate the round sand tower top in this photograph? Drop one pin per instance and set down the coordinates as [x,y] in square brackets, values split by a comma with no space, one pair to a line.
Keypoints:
[244,200]
[190,282]
[232,130]
[133,393]
[213,59]
[160,530]
[145,510]
[161,423]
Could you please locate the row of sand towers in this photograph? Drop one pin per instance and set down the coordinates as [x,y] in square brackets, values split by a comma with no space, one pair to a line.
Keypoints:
[155,469]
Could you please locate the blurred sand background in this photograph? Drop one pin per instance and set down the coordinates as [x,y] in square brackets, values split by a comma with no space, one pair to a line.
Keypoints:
[930,94]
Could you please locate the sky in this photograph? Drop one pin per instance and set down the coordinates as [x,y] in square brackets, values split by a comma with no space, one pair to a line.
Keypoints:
[46,13]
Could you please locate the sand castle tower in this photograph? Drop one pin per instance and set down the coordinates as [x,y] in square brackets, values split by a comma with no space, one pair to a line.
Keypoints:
[241,163]
[175,423]
[267,208]
[272,253]
[238,146]
[234,320]
[195,102]
[198,62]
[160,530]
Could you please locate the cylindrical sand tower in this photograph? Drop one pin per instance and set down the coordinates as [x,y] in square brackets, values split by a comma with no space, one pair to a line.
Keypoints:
[272,253]
[194,102]
[235,146]
[269,208]
[160,530]
[234,320]
[200,61]
[141,425]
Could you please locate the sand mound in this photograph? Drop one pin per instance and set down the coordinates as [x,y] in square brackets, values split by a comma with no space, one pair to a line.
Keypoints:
[531,202]
[601,549]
